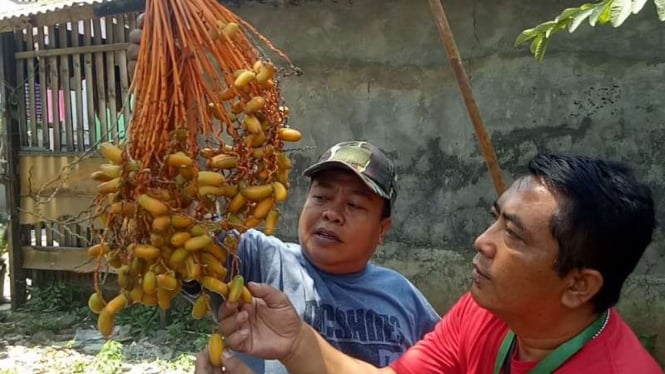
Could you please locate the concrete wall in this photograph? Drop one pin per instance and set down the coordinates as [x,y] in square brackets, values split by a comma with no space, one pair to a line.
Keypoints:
[376,70]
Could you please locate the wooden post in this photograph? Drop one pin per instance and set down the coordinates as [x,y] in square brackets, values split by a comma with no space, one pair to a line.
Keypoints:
[100,80]
[8,85]
[64,83]
[46,137]
[55,90]
[467,94]
[78,89]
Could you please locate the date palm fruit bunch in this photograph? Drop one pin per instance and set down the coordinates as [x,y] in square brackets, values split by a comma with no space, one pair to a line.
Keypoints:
[204,155]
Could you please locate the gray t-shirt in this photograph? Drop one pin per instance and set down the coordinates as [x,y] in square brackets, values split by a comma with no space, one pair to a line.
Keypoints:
[373,315]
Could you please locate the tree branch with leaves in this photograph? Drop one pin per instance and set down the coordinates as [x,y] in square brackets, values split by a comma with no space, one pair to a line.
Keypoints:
[614,12]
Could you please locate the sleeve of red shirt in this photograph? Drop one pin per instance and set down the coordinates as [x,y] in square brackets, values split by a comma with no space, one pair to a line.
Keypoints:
[440,350]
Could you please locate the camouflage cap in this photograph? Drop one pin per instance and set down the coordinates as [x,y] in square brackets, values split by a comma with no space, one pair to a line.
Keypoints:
[364,159]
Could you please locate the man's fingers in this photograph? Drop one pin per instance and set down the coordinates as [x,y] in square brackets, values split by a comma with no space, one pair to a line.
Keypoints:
[232,323]
[139,20]
[135,36]
[237,340]
[202,365]
[272,296]
[234,365]
[227,309]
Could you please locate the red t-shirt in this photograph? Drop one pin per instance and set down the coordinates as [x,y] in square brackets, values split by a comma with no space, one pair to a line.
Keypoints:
[468,337]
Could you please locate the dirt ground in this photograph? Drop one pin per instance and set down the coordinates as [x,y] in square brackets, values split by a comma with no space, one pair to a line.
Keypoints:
[56,333]
[63,343]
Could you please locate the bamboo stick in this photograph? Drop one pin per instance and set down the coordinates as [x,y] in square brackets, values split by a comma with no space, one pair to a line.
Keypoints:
[467,94]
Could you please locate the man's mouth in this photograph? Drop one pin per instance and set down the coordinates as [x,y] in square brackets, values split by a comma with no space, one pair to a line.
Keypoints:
[478,271]
[327,235]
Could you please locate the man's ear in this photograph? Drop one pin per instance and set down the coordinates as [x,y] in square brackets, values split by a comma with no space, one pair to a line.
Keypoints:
[385,227]
[583,285]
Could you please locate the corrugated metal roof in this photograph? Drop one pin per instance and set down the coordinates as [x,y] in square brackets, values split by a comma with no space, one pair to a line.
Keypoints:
[18,9]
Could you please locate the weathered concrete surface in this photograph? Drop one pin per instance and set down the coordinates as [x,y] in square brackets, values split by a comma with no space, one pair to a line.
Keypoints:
[376,70]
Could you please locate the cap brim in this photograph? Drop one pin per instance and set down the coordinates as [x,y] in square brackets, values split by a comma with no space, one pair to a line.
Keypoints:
[335,164]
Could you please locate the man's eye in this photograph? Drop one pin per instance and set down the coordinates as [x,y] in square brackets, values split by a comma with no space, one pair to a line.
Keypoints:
[512,235]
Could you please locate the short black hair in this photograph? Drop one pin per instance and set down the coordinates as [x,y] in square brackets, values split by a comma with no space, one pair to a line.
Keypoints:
[386,209]
[605,219]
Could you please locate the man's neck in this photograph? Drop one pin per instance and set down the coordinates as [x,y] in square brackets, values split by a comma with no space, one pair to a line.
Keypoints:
[535,342]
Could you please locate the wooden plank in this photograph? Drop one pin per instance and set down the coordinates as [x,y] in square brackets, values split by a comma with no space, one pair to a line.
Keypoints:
[43,120]
[13,24]
[131,22]
[79,238]
[78,91]
[124,75]
[64,78]
[20,90]
[49,233]
[71,50]
[110,79]
[55,91]
[32,114]
[89,88]
[57,234]
[38,234]
[71,14]
[118,7]
[59,258]
[99,75]
[7,82]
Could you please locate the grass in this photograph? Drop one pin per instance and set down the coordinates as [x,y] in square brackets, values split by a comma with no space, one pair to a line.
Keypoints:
[61,306]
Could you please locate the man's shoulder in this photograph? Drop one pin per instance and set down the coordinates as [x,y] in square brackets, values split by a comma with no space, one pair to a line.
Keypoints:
[467,310]
[383,272]
[255,244]
[258,238]
[625,349]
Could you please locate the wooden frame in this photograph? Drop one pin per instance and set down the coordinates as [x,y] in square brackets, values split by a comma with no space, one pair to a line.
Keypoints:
[62,74]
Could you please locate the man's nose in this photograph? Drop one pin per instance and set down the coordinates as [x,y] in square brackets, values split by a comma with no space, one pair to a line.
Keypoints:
[333,213]
[485,242]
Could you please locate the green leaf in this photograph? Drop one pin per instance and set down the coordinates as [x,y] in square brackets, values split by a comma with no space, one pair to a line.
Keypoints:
[597,12]
[544,26]
[579,18]
[532,33]
[606,15]
[526,35]
[559,26]
[567,13]
[541,48]
[619,11]
[587,6]
[638,5]
[536,42]
[660,6]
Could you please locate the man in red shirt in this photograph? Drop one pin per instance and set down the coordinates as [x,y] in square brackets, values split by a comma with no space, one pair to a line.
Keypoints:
[546,276]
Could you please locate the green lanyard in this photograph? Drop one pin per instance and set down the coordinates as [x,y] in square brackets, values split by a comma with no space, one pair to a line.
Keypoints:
[560,355]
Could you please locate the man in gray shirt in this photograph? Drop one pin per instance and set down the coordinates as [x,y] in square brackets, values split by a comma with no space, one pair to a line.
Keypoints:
[365,310]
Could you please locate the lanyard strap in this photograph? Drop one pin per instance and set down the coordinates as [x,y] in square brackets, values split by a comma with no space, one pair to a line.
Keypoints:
[560,355]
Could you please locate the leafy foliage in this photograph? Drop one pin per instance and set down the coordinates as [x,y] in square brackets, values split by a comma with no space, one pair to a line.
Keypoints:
[57,297]
[614,12]
[3,239]
[110,359]
[182,330]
